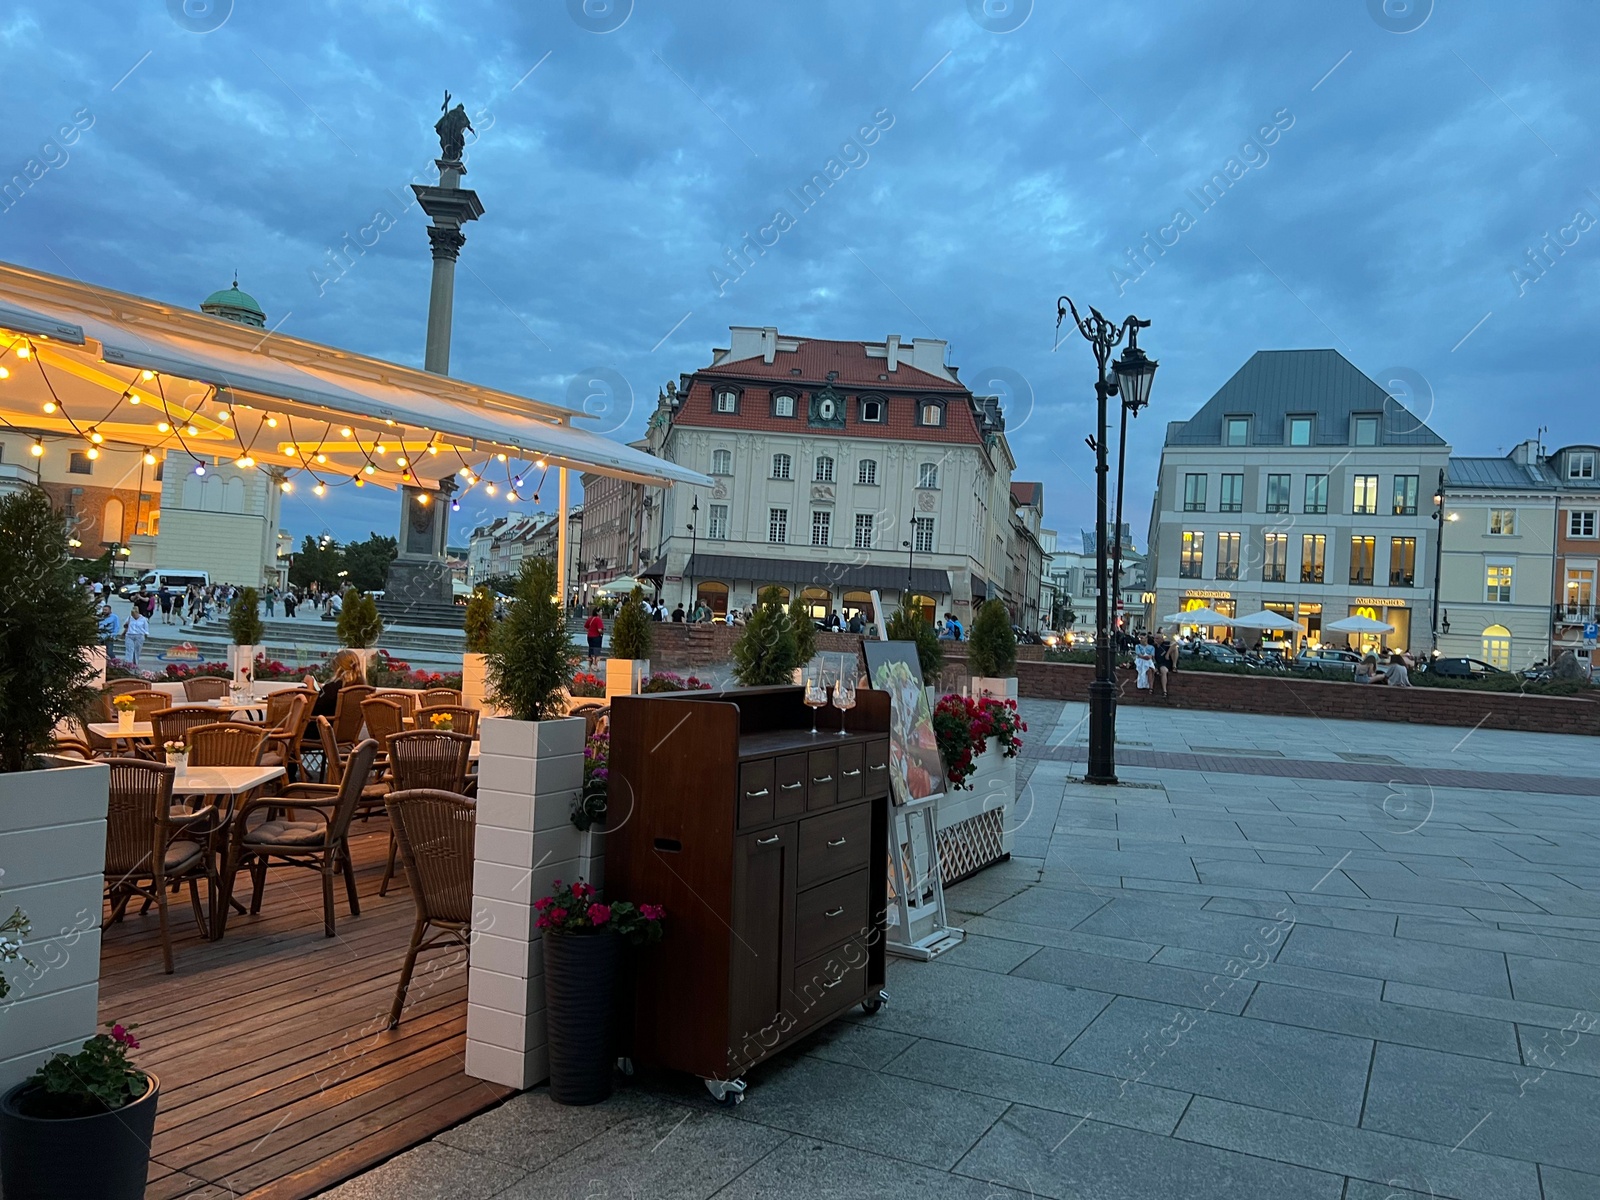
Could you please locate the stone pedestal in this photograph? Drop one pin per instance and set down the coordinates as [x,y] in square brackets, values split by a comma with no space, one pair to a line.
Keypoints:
[417,582]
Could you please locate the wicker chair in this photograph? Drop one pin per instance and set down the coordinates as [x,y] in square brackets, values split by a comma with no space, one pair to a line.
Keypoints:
[347,713]
[118,687]
[406,700]
[149,851]
[436,831]
[321,845]
[375,789]
[147,703]
[205,687]
[226,744]
[284,734]
[434,697]
[71,747]
[279,703]
[462,720]
[174,724]
[384,718]
[425,760]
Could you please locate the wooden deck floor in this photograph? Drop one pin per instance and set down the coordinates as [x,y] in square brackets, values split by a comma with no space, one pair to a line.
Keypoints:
[278,1078]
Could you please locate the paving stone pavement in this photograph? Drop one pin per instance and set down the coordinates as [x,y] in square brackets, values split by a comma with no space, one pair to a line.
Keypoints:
[1320,980]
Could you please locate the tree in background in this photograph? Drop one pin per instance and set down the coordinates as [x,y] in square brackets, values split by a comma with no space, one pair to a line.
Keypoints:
[765,653]
[368,562]
[907,624]
[992,643]
[805,632]
[479,621]
[318,561]
[531,655]
[631,635]
[244,618]
[359,624]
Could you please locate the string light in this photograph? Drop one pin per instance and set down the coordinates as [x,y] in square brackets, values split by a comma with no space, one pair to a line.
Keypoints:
[147,376]
[94,436]
[193,431]
[360,482]
[370,469]
[388,420]
[133,398]
[322,458]
[286,486]
[381,448]
[518,482]
[432,449]
[464,473]
[37,449]
[402,461]
[199,468]
[318,490]
[163,427]
[223,415]
[23,350]
[272,422]
[490,489]
[5,372]
[422,499]
[345,432]
[149,459]
[93,453]
[539,462]
[501,457]
[455,506]
[49,407]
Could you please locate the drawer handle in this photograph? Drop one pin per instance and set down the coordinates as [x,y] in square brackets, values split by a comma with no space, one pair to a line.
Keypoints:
[878,767]
[838,842]
[753,795]
[822,779]
[789,787]
[835,983]
[851,774]
[767,841]
[838,912]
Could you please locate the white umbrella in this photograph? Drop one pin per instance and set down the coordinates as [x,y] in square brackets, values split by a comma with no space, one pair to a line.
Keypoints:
[1266,619]
[1357,625]
[620,586]
[1199,616]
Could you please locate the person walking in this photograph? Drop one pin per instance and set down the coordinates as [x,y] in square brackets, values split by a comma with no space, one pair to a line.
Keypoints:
[138,630]
[595,628]
[164,598]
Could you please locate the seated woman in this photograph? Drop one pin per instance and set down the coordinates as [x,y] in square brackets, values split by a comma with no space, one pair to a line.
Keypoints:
[1367,670]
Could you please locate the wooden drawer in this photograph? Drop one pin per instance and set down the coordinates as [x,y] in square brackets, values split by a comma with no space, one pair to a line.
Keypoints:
[789,797]
[834,844]
[829,983]
[822,778]
[829,915]
[852,772]
[755,792]
[877,767]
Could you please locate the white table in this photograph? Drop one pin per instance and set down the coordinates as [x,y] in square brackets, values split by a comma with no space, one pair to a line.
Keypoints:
[223,781]
[112,731]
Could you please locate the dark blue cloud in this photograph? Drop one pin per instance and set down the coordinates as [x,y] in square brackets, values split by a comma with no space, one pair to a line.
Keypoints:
[1389,219]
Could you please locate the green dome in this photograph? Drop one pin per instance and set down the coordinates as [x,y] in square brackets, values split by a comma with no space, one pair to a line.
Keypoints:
[233,305]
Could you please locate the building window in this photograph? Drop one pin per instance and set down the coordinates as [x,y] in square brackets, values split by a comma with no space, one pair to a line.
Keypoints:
[1194,493]
[781,466]
[79,463]
[863,531]
[777,525]
[148,520]
[928,475]
[783,406]
[1362,551]
[1580,592]
[824,471]
[1366,431]
[1227,556]
[722,462]
[1277,493]
[1405,495]
[1580,523]
[930,413]
[1313,554]
[1232,494]
[1364,495]
[1236,431]
[1503,521]
[922,531]
[1316,493]
[821,527]
[1497,647]
[1192,558]
[1275,557]
[727,402]
[872,411]
[1497,584]
[867,471]
[1580,466]
[1299,431]
[1402,562]
[717,529]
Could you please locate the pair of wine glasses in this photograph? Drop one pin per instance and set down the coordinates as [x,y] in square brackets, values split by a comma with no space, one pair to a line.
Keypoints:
[823,681]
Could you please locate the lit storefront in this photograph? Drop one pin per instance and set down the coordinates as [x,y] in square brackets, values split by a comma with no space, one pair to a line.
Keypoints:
[1391,612]
[1222,602]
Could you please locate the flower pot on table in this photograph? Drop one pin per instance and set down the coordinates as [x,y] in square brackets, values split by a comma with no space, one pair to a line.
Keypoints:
[580,980]
[106,1156]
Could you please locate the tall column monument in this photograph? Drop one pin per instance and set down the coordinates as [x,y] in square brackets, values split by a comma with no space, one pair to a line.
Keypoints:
[419,578]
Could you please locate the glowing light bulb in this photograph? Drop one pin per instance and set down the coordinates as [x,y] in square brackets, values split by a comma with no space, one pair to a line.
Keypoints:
[455,506]
[318,490]
[163,427]
[241,461]
[501,457]
[433,449]
[381,448]
[518,482]
[539,462]
[193,431]
[93,453]
[149,459]
[223,415]
[286,486]
[490,489]
[23,351]
[49,407]
[199,468]
[512,497]
[5,372]
[272,422]
[360,482]
[423,500]
[388,420]
[94,436]
[370,469]
[134,398]
[322,458]
[401,461]
[345,432]
[147,375]
[464,473]
[37,449]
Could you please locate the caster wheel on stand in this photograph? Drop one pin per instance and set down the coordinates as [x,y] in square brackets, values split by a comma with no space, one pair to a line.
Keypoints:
[874,1002]
[729,1093]
[625,1065]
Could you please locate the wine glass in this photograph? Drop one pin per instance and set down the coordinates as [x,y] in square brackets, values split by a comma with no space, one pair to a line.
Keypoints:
[816,694]
[844,697]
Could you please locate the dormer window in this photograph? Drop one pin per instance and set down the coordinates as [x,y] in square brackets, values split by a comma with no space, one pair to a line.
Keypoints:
[1580,465]
[1366,430]
[872,412]
[930,413]
[783,406]
[727,401]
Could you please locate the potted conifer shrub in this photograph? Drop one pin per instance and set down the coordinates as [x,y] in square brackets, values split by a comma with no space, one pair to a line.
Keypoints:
[805,637]
[766,652]
[992,652]
[246,630]
[629,663]
[80,1125]
[479,628]
[359,626]
[529,779]
[52,810]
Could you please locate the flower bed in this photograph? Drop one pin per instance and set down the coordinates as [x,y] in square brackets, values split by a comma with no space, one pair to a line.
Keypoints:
[584,684]
[666,681]
[387,671]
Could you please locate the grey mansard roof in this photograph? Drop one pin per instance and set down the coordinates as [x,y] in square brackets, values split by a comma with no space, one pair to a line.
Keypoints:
[1499,473]
[1277,383]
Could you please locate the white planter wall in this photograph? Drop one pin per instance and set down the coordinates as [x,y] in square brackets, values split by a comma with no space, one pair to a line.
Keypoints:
[52,863]
[240,660]
[994,688]
[529,778]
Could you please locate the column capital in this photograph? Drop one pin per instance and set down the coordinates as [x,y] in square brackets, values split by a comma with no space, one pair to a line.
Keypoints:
[446,242]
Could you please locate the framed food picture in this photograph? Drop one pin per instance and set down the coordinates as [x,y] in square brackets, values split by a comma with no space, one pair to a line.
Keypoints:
[915,769]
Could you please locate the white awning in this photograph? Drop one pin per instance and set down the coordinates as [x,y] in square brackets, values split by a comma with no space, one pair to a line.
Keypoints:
[278,400]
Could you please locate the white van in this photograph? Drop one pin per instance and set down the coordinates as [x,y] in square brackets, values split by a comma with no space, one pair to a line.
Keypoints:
[174,579]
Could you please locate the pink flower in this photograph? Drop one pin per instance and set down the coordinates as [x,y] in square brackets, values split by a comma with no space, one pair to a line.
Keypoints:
[558,914]
[651,912]
[599,914]
[543,903]
[581,889]
[120,1033]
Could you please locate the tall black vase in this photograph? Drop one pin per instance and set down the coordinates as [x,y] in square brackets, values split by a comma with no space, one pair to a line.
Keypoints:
[106,1156]
[580,979]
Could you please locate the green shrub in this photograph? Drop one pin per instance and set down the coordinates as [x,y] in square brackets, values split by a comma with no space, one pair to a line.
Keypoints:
[479,620]
[630,633]
[531,656]
[907,624]
[359,625]
[805,632]
[244,618]
[992,644]
[765,652]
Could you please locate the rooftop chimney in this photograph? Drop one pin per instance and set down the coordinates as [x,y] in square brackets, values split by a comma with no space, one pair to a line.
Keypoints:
[892,345]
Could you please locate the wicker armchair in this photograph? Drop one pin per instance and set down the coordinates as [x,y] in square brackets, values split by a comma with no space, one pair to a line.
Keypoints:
[462,720]
[146,704]
[320,845]
[118,687]
[347,713]
[279,703]
[148,850]
[174,724]
[205,687]
[384,718]
[434,697]
[436,832]
[406,700]
[71,747]
[226,744]
[427,760]
[284,734]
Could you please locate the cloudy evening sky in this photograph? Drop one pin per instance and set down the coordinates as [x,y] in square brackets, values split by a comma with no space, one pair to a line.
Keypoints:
[1420,150]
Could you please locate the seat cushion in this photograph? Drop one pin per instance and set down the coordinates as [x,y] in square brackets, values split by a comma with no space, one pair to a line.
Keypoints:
[181,856]
[285,833]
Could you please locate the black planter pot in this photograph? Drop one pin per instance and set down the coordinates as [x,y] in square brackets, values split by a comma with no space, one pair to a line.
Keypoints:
[103,1157]
[580,980]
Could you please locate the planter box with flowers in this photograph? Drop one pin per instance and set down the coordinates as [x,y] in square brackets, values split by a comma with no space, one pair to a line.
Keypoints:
[631,637]
[979,740]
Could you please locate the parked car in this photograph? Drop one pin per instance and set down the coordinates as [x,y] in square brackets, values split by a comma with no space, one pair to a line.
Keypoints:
[1212,651]
[1326,661]
[1464,668]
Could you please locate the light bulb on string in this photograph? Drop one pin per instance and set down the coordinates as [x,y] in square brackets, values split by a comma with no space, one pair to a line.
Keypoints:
[402,461]
[163,427]
[432,449]
[134,398]
[501,457]
[455,506]
[539,462]
[345,432]
[370,469]
[37,449]
[193,431]
[199,468]
[147,376]
[93,453]
[381,448]
[489,488]
[23,351]
[5,372]
[318,490]
[286,486]
[94,436]
[322,458]
[149,459]
[423,500]
[272,422]
[222,414]
[49,407]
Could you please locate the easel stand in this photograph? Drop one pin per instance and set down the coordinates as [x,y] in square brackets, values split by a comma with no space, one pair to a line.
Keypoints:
[917,924]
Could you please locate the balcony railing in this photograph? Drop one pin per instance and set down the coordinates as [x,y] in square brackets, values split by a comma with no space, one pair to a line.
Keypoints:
[1577,614]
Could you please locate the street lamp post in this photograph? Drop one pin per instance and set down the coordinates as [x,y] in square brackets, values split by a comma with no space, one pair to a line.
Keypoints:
[694,534]
[1130,377]
[1440,516]
[911,549]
